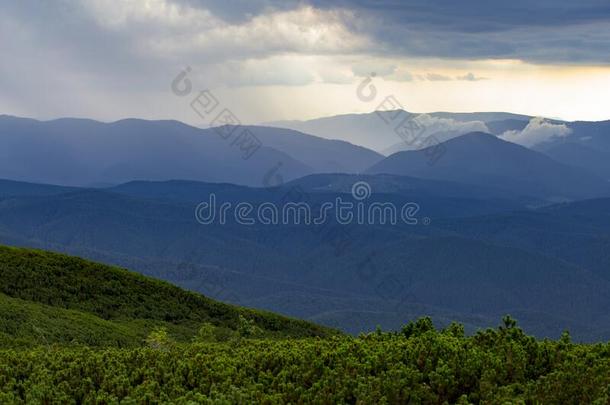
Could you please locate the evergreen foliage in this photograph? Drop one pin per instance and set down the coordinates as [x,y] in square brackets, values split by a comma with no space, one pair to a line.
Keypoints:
[425,365]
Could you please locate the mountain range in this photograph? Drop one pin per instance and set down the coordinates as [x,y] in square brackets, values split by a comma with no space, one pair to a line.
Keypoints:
[377,130]
[580,144]
[470,263]
[586,146]
[79,152]
[500,227]
[485,160]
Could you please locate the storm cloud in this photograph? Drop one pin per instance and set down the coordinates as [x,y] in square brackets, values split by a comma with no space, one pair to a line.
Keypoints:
[108,56]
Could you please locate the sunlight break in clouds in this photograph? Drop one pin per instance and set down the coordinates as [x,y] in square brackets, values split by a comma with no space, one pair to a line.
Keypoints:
[272,59]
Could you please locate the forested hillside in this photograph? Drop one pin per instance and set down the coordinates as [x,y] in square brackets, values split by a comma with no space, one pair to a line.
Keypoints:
[480,257]
[48,298]
[73,331]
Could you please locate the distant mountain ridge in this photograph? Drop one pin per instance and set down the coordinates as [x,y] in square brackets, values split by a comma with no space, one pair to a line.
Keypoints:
[377,130]
[491,244]
[485,160]
[79,152]
[586,146]
[467,264]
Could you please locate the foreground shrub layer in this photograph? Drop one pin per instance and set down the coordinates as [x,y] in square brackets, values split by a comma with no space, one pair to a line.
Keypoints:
[416,365]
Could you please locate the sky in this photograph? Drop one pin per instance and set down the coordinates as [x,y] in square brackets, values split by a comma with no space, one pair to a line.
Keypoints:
[269,60]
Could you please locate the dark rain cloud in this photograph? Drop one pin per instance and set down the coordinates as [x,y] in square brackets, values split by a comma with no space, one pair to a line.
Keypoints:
[539,31]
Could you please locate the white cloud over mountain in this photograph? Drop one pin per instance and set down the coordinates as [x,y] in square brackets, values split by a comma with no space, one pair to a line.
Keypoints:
[537,131]
[437,124]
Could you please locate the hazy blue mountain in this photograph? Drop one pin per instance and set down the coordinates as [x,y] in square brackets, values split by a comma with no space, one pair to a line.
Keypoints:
[369,130]
[376,130]
[349,276]
[485,160]
[384,185]
[330,156]
[577,232]
[596,135]
[436,199]
[11,188]
[415,188]
[179,190]
[86,152]
[435,136]
[579,155]
[587,146]
[482,116]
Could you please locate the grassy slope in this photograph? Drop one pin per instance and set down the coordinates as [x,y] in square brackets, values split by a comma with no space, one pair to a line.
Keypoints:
[52,298]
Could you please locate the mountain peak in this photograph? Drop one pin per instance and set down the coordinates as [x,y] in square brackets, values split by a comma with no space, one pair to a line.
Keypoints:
[483,159]
[478,136]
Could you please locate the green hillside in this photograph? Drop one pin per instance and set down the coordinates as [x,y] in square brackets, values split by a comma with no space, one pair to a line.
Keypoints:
[50,298]
[25,324]
[72,331]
